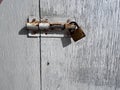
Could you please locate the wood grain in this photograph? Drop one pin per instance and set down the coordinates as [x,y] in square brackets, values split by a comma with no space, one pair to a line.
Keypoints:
[19,55]
[91,63]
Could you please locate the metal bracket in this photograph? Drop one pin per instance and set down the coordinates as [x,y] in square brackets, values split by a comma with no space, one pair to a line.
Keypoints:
[50,33]
[30,32]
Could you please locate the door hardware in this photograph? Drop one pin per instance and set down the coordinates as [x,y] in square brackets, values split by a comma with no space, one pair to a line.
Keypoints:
[41,27]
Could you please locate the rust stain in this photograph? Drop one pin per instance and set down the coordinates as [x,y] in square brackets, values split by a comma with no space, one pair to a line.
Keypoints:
[34,22]
[1,1]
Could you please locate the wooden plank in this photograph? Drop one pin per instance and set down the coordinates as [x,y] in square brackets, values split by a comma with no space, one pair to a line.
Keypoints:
[19,55]
[91,63]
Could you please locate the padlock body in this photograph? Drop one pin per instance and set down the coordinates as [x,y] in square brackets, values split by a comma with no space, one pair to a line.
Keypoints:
[77,34]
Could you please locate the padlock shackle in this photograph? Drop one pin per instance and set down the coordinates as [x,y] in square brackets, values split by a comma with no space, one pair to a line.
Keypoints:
[74,24]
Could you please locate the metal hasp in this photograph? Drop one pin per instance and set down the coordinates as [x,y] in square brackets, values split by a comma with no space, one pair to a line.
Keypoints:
[42,27]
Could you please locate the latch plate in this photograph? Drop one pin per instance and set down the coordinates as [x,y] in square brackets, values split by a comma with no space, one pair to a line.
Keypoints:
[51,33]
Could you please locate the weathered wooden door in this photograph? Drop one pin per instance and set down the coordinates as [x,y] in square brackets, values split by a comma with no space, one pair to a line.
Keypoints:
[19,55]
[92,63]
[54,63]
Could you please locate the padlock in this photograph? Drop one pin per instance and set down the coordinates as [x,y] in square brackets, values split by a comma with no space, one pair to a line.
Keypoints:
[78,33]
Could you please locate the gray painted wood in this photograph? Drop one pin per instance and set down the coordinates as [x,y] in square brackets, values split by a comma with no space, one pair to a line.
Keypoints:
[92,63]
[19,55]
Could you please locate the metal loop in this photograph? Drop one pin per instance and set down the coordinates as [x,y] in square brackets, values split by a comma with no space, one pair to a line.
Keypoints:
[74,24]
[77,26]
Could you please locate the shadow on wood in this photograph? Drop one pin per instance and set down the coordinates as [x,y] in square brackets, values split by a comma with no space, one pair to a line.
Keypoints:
[23,31]
[65,40]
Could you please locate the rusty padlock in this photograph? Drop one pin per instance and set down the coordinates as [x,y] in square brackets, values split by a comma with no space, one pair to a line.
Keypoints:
[78,33]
